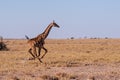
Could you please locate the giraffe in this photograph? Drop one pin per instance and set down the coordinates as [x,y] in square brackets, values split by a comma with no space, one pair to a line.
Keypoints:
[39,41]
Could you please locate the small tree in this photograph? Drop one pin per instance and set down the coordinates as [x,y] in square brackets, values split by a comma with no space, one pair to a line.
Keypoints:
[2,44]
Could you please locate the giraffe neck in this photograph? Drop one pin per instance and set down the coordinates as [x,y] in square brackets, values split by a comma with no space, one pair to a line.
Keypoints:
[44,35]
[47,30]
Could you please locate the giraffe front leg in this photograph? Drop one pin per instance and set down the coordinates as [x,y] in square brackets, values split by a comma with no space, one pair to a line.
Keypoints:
[40,60]
[45,52]
[39,50]
[40,45]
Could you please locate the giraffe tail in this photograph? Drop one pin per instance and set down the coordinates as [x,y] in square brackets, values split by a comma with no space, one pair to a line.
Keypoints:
[27,37]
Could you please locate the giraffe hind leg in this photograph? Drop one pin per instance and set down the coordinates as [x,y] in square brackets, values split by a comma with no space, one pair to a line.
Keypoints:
[34,51]
[33,57]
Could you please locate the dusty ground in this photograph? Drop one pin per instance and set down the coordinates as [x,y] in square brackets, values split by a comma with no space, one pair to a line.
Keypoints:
[81,59]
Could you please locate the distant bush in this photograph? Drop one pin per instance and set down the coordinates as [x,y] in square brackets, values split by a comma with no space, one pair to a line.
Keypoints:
[72,38]
[106,37]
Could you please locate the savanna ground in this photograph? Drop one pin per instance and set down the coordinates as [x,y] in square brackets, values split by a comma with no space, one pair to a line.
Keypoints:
[80,59]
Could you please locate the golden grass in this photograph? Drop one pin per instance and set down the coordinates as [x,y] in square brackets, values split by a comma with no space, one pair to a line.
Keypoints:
[61,53]
[83,51]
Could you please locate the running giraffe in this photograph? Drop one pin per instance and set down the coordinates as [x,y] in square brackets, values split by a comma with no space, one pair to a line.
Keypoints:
[39,41]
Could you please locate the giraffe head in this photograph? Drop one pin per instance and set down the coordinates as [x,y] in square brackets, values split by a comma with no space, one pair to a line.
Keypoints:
[55,24]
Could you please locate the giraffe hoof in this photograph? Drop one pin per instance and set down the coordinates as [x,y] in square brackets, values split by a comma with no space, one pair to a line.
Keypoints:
[40,60]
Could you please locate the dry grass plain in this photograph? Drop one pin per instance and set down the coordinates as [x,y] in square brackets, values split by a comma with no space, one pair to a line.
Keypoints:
[79,59]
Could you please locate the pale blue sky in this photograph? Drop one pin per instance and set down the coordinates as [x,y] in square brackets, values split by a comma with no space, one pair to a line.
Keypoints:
[77,18]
